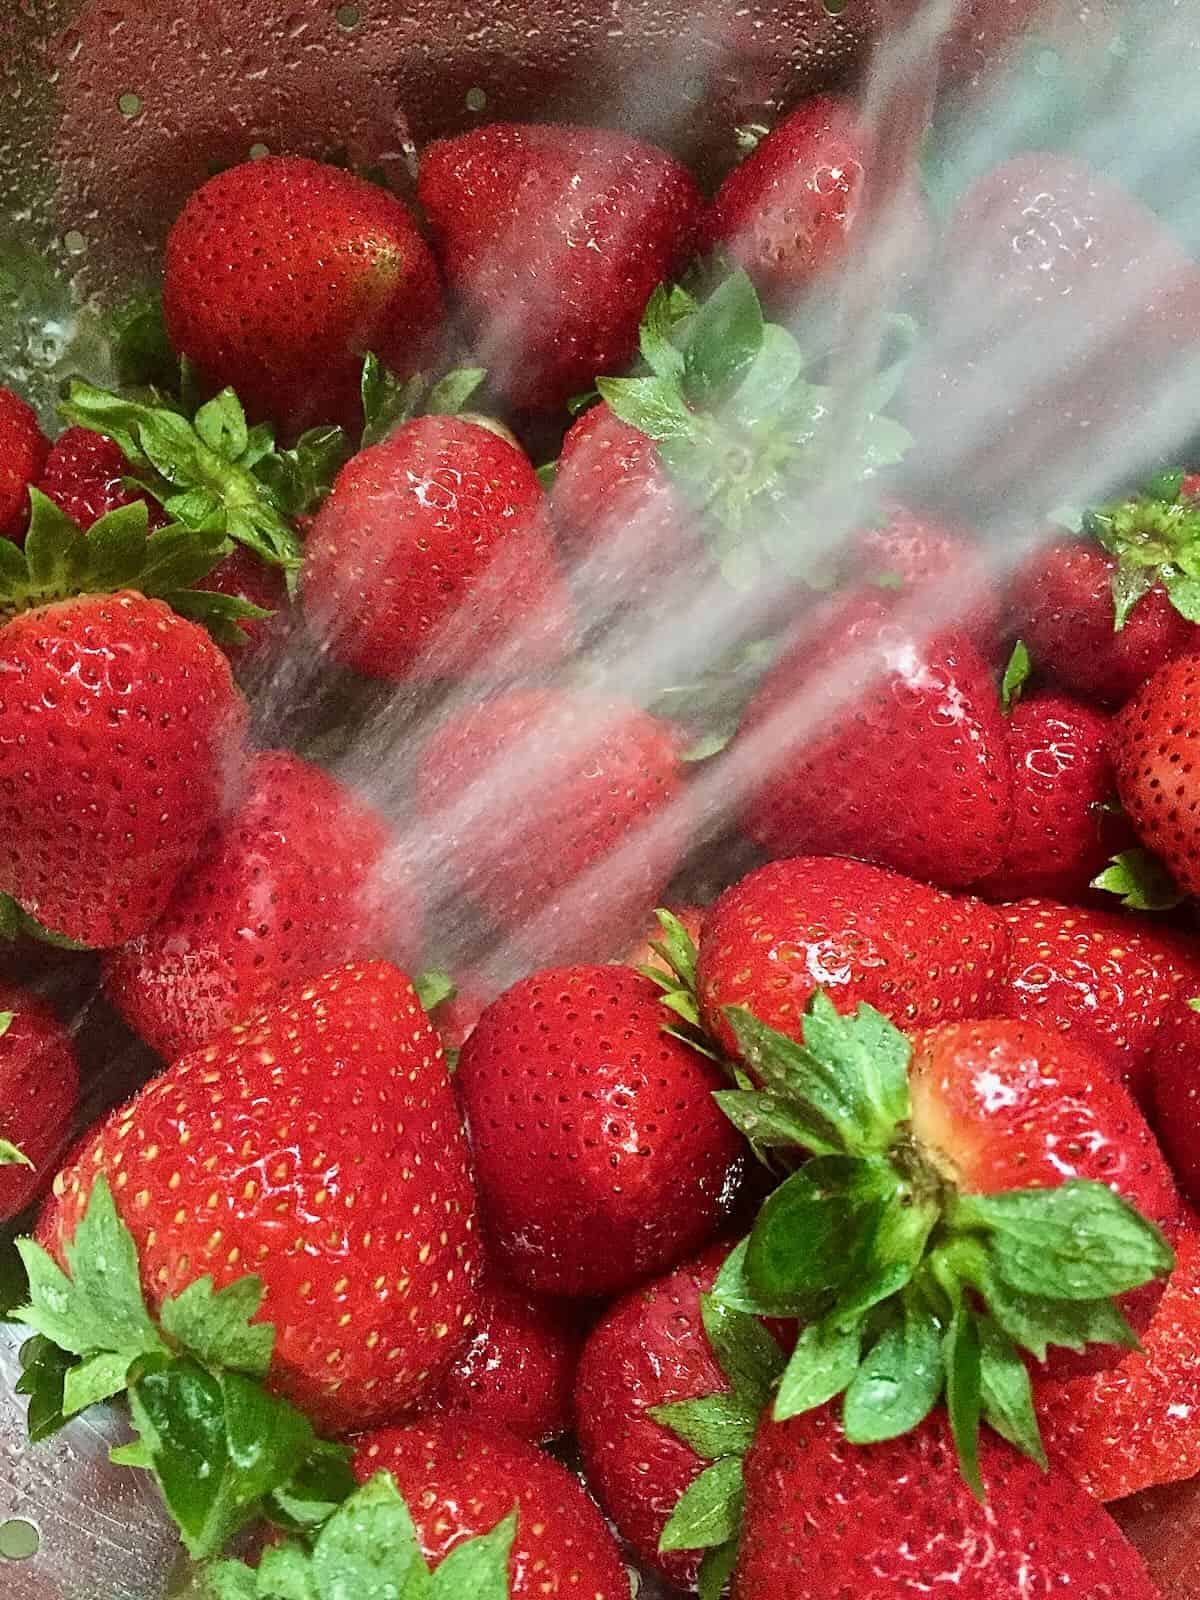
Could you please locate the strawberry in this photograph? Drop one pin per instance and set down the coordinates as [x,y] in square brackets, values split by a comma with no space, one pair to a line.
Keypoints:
[597,783]
[643,952]
[600,1154]
[1152,746]
[1121,1431]
[85,475]
[281,274]
[243,576]
[553,238]
[1175,1084]
[318,1146]
[517,1372]
[39,1087]
[281,890]
[1104,979]
[433,555]
[23,450]
[789,211]
[861,932]
[897,1516]
[1063,600]
[935,561]
[1062,781]
[880,740]
[120,727]
[461,1481]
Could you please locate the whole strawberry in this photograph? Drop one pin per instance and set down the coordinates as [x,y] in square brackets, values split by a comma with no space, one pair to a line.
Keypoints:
[788,212]
[120,727]
[281,890]
[39,1087]
[878,739]
[85,475]
[862,933]
[1153,742]
[898,1516]
[281,274]
[432,557]
[600,1154]
[596,783]
[1104,979]
[462,1481]
[554,237]
[1062,783]
[518,1370]
[23,449]
[317,1146]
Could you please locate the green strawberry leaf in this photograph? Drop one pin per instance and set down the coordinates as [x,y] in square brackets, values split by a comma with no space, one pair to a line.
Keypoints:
[221,424]
[714,1426]
[477,1569]
[1141,881]
[388,402]
[654,406]
[1005,1391]
[1016,676]
[298,479]
[141,349]
[1184,594]
[709,1511]
[546,475]
[716,1570]
[368,1549]
[218,1327]
[1129,584]
[769,380]
[285,1573]
[747,1354]
[309,1499]
[724,336]
[656,336]
[219,614]
[7,1018]
[822,1364]
[900,1378]
[1079,1241]
[451,394]
[12,1155]
[964,1393]
[768,1122]
[434,988]
[44,1369]
[16,923]
[232,1580]
[1036,1322]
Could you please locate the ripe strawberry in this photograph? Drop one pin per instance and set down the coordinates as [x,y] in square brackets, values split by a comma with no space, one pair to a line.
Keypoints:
[281,274]
[432,556]
[935,562]
[39,1087]
[862,933]
[881,741]
[1063,600]
[1121,1431]
[643,954]
[318,1146]
[598,785]
[1153,740]
[461,1481]
[554,237]
[1062,778]
[600,1154]
[23,448]
[242,575]
[518,1370]
[1174,1082]
[900,1519]
[84,475]
[788,213]
[281,890]
[1105,979]
[119,728]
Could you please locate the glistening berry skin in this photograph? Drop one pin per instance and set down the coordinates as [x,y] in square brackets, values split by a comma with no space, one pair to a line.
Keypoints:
[23,450]
[39,1088]
[1156,736]
[600,1154]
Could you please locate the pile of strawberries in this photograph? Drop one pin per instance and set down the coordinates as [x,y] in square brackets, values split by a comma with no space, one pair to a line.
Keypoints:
[835,1234]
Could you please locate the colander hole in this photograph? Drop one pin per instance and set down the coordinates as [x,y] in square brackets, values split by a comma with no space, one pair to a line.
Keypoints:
[476,100]
[74,242]
[835,7]
[348,17]
[258,151]
[129,104]
[1048,64]
[19,1540]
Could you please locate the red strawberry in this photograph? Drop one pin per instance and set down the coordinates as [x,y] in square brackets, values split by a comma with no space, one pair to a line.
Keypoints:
[84,476]
[317,1146]
[641,954]
[649,1350]
[1153,744]
[23,449]
[879,741]
[460,1482]
[281,274]
[1062,778]
[1062,601]
[517,1372]
[1002,1105]
[598,785]
[281,890]
[896,1521]
[1105,979]
[614,505]
[119,726]
[861,933]
[1174,1077]
[554,238]
[937,562]
[242,575]
[433,554]
[1120,1431]
[788,213]
[600,1154]
[39,1087]
[455,1018]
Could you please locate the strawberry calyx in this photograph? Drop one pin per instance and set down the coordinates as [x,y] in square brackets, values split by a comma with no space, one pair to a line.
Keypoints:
[1154,537]
[222,1449]
[1141,881]
[369,1547]
[119,551]
[16,923]
[1017,672]
[741,428]
[213,473]
[388,402]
